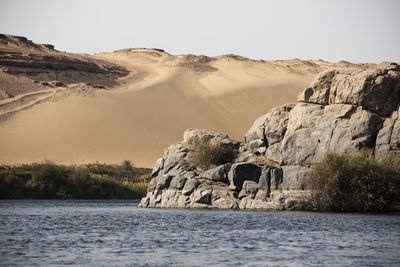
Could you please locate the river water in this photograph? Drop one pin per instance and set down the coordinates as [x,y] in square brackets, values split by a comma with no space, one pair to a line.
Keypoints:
[117,233]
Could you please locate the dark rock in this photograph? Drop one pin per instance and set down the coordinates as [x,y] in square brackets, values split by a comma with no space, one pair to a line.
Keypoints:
[58,84]
[241,172]
[46,84]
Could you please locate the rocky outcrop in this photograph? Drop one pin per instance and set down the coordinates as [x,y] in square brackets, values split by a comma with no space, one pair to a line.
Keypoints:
[178,183]
[343,111]
[31,74]
[375,89]
[18,55]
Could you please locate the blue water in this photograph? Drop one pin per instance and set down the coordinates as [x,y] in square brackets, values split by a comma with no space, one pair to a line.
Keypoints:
[117,233]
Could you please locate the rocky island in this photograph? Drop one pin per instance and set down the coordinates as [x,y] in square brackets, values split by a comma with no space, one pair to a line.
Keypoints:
[344,111]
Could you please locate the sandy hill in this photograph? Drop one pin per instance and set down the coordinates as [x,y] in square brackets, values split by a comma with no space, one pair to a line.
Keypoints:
[132,103]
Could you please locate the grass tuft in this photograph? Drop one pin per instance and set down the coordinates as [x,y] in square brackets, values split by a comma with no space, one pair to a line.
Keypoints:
[206,153]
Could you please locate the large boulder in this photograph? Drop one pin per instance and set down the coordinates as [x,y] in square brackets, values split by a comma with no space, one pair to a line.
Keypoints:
[311,130]
[193,136]
[314,130]
[268,129]
[376,89]
[218,174]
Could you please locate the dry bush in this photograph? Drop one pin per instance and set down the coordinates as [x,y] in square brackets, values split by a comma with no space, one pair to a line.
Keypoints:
[206,153]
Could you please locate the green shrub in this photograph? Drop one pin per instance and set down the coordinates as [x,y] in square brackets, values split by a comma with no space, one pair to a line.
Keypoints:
[356,182]
[99,168]
[206,153]
[81,183]
[12,185]
[47,180]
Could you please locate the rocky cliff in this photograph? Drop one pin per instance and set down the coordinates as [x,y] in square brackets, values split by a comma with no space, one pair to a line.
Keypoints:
[18,55]
[343,111]
[32,73]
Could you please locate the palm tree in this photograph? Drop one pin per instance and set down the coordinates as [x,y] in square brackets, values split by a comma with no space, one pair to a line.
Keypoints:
[127,164]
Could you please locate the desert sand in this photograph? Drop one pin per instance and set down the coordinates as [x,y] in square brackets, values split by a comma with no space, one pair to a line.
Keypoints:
[137,115]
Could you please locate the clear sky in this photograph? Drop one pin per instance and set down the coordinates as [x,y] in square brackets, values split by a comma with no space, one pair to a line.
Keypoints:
[332,30]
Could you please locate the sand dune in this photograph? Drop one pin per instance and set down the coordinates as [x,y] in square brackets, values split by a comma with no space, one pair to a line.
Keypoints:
[149,109]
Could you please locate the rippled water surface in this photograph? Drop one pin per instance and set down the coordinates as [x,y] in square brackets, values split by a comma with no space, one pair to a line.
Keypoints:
[117,233]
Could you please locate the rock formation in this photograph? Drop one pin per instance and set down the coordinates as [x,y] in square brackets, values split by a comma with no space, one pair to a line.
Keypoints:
[32,73]
[343,111]
[18,55]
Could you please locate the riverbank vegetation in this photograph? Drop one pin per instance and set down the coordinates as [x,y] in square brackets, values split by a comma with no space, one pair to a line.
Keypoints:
[356,182]
[89,181]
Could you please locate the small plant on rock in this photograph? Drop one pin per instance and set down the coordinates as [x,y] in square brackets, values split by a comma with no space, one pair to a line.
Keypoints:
[207,153]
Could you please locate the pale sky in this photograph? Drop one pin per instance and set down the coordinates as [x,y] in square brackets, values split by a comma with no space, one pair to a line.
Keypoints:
[332,30]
